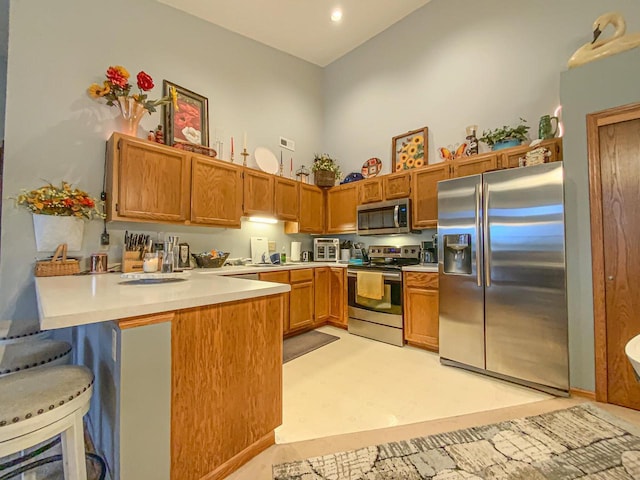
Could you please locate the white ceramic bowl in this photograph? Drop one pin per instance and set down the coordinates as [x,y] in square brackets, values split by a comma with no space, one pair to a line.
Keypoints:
[632,349]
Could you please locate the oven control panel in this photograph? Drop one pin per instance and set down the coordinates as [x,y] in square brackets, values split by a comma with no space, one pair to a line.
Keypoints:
[386,251]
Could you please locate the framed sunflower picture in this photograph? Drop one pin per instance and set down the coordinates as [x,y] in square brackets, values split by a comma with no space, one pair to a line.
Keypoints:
[190,121]
[410,150]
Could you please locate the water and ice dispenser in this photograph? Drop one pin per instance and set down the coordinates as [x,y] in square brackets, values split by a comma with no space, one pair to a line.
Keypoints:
[457,254]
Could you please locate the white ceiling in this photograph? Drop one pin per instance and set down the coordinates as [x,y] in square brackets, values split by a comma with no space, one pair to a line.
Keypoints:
[303,28]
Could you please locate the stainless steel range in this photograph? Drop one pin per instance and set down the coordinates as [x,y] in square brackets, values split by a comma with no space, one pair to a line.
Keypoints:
[375,293]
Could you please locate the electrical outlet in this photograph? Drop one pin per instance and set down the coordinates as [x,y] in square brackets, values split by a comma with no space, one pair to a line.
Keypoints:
[288,144]
[104,238]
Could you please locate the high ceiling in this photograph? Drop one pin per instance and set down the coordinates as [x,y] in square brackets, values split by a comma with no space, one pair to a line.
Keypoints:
[303,28]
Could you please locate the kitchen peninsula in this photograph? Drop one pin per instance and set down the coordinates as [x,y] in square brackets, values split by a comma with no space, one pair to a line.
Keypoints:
[188,374]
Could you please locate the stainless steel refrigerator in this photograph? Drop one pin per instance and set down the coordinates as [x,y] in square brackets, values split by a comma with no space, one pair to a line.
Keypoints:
[503,307]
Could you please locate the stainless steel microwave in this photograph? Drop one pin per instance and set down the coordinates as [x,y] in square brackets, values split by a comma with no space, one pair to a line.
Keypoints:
[384,218]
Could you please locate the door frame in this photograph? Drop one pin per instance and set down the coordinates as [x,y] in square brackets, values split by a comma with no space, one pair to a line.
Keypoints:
[594,122]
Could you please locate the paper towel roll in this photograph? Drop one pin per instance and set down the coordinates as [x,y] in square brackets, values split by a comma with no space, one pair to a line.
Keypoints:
[295,251]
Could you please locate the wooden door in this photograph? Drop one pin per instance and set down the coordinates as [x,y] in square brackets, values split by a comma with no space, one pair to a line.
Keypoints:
[216,192]
[421,315]
[322,292]
[301,299]
[474,165]
[287,201]
[311,209]
[396,185]
[258,193]
[370,191]
[341,208]
[614,171]
[280,277]
[153,181]
[424,194]
[338,309]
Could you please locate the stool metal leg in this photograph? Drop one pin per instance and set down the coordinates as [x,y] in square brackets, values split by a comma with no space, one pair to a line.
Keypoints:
[73,457]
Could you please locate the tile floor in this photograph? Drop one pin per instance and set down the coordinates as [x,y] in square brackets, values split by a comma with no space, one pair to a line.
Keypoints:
[356,384]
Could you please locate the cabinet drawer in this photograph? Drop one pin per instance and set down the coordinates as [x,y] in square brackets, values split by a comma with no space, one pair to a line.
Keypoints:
[421,280]
[277,277]
[302,275]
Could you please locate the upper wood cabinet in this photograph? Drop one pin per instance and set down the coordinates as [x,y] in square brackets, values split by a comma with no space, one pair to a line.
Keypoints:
[341,208]
[258,193]
[287,201]
[510,158]
[396,185]
[474,165]
[146,182]
[311,209]
[216,192]
[322,292]
[424,194]
[421,309]
[370,191]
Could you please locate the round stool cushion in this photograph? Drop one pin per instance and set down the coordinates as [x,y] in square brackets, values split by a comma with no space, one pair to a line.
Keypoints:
[20,356]
[12,329]
[24,395]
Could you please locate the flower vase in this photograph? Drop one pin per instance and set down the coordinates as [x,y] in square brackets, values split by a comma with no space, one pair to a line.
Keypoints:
[52,230]
[131,112]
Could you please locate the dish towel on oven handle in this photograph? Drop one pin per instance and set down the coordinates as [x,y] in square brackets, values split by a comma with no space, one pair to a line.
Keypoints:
[370,285]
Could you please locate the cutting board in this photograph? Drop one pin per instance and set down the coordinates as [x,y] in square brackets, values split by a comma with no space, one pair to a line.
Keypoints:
[259,245]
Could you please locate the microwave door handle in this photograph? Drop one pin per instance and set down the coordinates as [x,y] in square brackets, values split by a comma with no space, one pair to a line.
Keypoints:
[396,220]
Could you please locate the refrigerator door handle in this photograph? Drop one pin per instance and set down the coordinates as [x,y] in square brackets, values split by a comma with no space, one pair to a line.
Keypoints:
[478,237]
[487,239]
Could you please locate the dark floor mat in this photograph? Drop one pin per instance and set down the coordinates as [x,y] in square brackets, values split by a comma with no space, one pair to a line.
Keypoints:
[297,346]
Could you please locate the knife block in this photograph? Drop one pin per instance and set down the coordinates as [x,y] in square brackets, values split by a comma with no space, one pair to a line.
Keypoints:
[131,261]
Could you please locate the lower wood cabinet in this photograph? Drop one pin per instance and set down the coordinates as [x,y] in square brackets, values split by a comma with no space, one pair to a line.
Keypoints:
[301,299]
[338,303]
[421,309]
[322,292]
[280,277]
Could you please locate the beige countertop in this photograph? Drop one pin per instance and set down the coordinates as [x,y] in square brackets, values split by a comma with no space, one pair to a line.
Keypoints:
[81,299]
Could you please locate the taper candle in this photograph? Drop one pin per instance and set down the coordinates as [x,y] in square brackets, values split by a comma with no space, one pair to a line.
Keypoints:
[232,146]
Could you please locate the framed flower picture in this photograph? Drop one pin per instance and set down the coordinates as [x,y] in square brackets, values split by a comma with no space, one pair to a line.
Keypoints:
[190,121]
[410,150]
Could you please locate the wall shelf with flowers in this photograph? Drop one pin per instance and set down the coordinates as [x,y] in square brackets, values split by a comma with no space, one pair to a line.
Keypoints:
[116,90]
[58,214]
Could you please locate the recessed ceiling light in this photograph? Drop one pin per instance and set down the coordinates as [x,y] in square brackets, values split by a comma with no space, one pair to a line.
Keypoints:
[336,15]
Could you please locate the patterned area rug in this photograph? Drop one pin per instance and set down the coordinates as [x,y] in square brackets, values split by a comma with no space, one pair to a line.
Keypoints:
[581,442]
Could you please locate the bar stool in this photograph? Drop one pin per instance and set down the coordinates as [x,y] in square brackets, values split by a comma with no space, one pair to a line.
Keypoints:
[24,355]
[15,331]
[40,403]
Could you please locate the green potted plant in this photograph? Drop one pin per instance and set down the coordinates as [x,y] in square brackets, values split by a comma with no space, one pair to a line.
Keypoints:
[325,170]
[506,136]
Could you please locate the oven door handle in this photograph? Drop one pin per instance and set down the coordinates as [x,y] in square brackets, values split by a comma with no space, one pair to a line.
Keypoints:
[390,276]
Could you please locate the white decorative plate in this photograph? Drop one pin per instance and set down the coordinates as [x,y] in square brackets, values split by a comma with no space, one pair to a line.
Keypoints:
[266,160]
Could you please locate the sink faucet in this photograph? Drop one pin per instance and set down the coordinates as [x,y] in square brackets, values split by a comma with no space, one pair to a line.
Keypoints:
[266,258]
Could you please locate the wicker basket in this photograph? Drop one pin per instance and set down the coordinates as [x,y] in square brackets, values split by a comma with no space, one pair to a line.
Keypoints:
[324,178]
[58,265]
[207,261]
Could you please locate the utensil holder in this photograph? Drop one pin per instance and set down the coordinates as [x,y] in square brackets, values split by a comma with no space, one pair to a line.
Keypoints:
[131,261]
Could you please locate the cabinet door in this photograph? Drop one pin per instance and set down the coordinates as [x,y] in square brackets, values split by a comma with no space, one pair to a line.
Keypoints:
[287,200]
[322,292]
[311,209]
[280,277]
[338,309]
[421,310]
[153,181]
[258,193]
[341,208]
[474,165]
[216,192]
[510,157]
[370,191]
[301,300]
[424,194]
[397,185]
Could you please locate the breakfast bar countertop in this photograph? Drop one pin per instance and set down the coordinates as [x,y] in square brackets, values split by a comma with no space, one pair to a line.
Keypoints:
[72,300]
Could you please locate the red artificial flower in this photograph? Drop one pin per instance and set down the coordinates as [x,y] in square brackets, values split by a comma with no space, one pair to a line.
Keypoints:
[145,82]
[118,76]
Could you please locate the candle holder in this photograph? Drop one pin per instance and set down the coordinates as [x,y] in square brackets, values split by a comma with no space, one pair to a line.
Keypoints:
[245,154]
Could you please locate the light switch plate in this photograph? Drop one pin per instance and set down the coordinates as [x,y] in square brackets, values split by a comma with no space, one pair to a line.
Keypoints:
[288,144]
[272,246]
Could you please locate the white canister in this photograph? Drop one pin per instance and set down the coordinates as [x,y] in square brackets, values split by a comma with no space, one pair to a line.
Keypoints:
[345,254]
[295,251]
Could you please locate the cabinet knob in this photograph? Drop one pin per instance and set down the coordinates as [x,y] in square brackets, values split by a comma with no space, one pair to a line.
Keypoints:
[610,277]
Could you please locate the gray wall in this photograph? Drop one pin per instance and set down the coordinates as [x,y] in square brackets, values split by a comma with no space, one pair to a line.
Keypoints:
[4,45]
[54,131]
[453,63]
[593,87]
